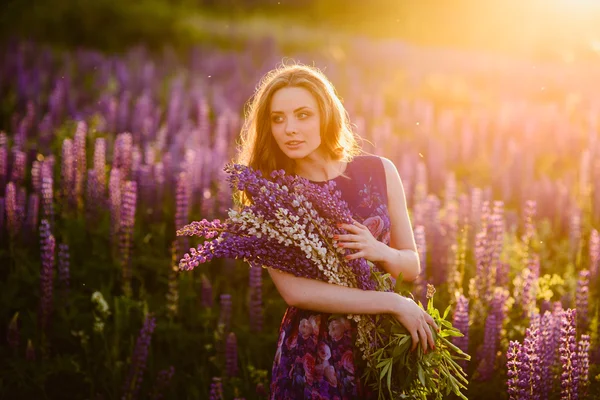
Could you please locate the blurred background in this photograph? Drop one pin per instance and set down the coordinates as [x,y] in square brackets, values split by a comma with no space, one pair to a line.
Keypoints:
[558,30]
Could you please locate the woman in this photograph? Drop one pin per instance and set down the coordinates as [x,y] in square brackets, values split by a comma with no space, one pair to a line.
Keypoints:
[296,122]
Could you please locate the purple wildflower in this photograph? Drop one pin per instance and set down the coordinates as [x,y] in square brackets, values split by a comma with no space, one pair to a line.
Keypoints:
[122,154]
[128,208]
[80,161]
[531,276]
[67,172]
[487,353]
[231,355]
[13,221]
[531,348]
[594,257]
[47,197]
[513,365]
[216,389]
[18,168]
[36,179]
[182,210]
[33,207]
[569,379]
[461,322]
[63,268]
[547,348]
[581,301]
[47,244]
[114,194]
[255,306]
[138,359]
[163,381]
[3,165]
[583,356]
[100,165]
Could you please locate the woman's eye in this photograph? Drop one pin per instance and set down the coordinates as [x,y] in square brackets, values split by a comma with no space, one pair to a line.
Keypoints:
[303,113]
[277,119]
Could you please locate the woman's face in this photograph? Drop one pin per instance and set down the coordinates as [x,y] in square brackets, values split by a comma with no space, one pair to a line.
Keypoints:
[296,122]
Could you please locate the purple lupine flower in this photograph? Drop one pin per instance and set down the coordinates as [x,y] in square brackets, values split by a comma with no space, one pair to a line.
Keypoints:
[583,358]
[594,257]
[206,293]
[100,167]
[481,265]
[531,276]
[528,225]
[216,389]
[487,354]
[231,355]
[461,322]
[93,199]
[47,245]
[255,306]
[547,347]
[47,197]
[30,351]
[13,222]
[138,359]
[163,381]
[80,160]
[128,207]
[122,154]
[114,194]
[33,208]
[225,317]
[67,172]
[581,301]
[12,335]
[2,209]
[36,179]
[182,211]
[531,348]
[569,379]
[18,168]
[3,165]
[63,268]
[513,365]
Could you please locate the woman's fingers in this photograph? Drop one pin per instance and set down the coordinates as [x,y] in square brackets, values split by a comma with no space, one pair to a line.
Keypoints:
[431,322]
[423,337]
[429,336]
[415,340]
[346,238]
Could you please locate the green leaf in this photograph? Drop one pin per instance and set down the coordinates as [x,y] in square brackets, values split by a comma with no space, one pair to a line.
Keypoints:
[421,374]
[446,312]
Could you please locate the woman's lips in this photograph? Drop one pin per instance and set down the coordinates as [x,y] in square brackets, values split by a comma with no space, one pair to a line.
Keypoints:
[293,144]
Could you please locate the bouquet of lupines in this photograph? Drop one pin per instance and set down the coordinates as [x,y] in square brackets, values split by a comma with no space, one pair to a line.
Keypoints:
[289,226]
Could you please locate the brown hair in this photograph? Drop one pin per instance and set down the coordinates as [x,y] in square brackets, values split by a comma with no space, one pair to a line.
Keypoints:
[258,148]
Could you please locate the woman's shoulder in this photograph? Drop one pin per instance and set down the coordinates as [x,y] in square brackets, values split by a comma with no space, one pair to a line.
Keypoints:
[371,162]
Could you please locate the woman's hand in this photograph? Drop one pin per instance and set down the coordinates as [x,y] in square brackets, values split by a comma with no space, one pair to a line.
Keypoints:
[360,239]
[416,321]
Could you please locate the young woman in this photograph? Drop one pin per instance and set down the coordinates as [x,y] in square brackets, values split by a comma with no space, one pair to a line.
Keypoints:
[296,122]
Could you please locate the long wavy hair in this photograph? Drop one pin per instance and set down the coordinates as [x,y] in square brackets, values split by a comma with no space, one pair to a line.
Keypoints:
[257,147]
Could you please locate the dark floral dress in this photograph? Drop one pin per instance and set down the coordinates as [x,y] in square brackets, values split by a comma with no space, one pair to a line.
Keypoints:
[315,356]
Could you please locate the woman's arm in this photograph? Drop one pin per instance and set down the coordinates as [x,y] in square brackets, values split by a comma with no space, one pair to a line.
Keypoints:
[401,255]
[310,294]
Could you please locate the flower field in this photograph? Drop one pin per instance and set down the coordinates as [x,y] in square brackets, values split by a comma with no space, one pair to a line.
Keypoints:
[103,157]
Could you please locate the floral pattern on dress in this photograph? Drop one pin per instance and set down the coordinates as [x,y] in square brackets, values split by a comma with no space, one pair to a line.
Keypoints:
[315,356]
